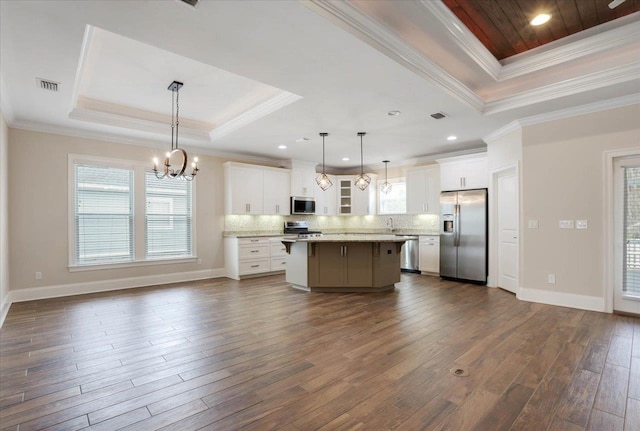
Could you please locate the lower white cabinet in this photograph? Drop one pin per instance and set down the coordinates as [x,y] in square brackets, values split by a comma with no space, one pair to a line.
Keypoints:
[429,254]
[253,255]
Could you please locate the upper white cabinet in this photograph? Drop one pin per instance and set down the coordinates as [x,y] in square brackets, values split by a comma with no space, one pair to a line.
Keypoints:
[276,191]
[303,178]
[423,190]
[352,200]
[464,172]
[327,200]
[252,189]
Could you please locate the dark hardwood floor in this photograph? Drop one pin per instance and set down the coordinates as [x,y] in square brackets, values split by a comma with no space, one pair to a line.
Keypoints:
[259,355]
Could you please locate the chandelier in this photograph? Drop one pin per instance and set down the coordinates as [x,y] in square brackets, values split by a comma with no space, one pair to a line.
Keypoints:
[362,181]
[178,155]
[323,180]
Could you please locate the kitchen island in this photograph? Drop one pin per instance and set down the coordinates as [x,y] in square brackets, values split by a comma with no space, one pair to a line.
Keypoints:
[344,263]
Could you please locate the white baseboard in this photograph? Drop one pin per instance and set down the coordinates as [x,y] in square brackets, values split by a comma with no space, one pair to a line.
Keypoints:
[34,293]
[583,302]
[4,307]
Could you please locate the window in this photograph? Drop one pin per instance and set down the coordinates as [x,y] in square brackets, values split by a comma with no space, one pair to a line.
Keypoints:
[168,217]
[120,215]
[394,202]
[103,214]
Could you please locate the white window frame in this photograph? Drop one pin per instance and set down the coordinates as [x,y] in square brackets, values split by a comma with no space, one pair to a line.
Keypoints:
[139,247]
[392,181]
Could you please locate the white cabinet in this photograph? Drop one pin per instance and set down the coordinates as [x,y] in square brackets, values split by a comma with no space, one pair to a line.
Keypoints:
[253,189]
[244,193]
[464,172]
[276,192]
[254,255]
[429,254]
[303,178]
[352,200]
[423,190]
[327,200]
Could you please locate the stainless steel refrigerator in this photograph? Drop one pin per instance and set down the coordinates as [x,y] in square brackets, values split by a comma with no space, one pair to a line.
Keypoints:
[463,235]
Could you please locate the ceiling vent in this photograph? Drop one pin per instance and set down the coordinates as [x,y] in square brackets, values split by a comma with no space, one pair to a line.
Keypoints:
[438,115]
[46,84]
[192,3]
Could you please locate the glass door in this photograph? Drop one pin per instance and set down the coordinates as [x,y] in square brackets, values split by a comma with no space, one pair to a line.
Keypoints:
[627,235]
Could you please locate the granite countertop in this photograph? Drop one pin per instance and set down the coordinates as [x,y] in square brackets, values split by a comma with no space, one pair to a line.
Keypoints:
[351,238]
[332,232]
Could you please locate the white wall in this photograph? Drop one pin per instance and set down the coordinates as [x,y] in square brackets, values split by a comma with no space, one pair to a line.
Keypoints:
[563,171]
[39,219]
[4,216]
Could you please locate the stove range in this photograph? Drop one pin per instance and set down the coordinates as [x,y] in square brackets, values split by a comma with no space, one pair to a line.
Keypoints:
[300,228]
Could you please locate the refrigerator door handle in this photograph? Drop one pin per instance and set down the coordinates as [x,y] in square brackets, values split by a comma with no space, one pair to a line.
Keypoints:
[456,226]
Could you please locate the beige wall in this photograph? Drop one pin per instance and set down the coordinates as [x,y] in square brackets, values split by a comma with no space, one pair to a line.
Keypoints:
[39,219]
[4,215]
[562,178]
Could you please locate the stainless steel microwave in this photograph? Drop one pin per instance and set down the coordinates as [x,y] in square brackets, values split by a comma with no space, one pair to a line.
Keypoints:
[303,205]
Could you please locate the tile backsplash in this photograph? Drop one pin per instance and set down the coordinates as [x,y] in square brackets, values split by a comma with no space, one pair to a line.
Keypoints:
[254,223]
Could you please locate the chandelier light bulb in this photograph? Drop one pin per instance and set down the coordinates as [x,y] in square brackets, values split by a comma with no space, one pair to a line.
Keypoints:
[362,181]
[167,154]
[323,181]
[195,159]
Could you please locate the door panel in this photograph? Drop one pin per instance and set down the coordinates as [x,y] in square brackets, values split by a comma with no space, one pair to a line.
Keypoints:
[358,268]
[508,231]
[330,260]
[472,251]
[448,251]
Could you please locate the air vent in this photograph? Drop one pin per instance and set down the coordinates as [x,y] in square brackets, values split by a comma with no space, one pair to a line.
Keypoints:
[438,115]
[46,84]
[192,3]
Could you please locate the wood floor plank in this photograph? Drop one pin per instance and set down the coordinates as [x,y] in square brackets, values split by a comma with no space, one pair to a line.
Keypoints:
[634,379]
[603,421]
[258,355]
[632,419]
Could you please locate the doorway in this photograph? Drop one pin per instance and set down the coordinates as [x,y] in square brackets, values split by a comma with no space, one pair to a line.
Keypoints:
[626,235]
[507,214]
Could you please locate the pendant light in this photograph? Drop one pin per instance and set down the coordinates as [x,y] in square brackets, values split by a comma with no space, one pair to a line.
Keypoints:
[169,171]
[323,180]
[362,181]
[386,186]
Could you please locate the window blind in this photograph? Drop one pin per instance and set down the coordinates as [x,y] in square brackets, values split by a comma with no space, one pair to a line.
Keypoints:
[395,202]
[631,279]
[168,217]
[103,214]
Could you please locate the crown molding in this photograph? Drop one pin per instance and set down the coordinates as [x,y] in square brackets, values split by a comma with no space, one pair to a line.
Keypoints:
[464,38]
[33,126]
[5,105]
[392,45]
[589,108]
[82,62]
[280,100]
[532,62]
[109,119]
[613,76]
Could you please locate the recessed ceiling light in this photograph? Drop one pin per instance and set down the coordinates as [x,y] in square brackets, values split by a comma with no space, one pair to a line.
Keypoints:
[302,140]
[345,159]
[452,138]
[541,19]
[393,113]
[282,147]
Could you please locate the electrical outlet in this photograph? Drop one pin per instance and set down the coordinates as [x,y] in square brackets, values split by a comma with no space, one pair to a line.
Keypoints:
[582,224]
[38,275]
[533,224]
[199,261]
[551,278]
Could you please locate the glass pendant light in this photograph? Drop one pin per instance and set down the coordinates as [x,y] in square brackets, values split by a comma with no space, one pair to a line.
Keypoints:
[323,180]
[386,186]
[362,181]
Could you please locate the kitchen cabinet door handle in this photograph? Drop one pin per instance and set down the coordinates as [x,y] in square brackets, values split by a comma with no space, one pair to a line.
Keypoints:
[345,250]
[255,240]
[255,251]
[255,266]
[277,209]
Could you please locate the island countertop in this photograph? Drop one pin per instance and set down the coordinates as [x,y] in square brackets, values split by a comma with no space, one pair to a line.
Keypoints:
[353,238]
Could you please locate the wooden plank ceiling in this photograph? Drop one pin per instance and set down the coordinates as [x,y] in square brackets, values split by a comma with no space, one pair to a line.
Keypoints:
[503,25]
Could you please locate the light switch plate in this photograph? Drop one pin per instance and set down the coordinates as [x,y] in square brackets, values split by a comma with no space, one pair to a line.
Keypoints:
[533,224]
[551,279]
[566,224]
[582,224]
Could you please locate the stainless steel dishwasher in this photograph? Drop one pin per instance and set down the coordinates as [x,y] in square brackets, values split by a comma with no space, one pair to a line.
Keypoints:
[409,257]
